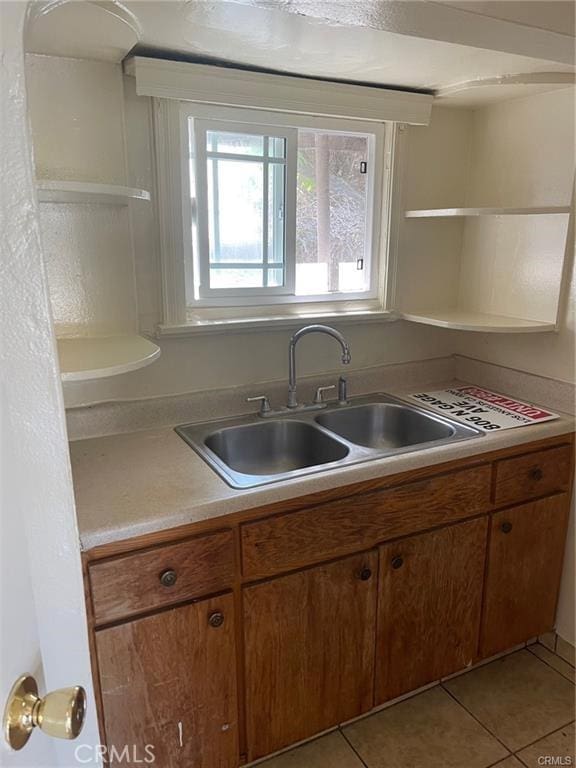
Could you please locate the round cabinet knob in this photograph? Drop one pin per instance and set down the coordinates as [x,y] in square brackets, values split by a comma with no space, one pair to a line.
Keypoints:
[216,619]
[506,527]
[168,578]
[536,474]
[365,574]
[397,562]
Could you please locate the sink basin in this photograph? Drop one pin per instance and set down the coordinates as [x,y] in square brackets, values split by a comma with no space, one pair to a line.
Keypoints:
[249,451]
[385,426]
[274,447]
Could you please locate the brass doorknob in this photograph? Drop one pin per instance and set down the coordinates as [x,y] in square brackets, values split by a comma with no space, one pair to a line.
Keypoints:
[59,714]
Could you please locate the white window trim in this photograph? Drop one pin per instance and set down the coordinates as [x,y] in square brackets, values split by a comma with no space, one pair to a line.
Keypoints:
[239,119]
[175,221]
[210,296]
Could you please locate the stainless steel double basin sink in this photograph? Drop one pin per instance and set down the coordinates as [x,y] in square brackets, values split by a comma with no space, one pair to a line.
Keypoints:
[250,451]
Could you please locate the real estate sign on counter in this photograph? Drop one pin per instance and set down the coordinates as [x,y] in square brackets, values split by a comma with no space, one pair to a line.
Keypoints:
[481,408]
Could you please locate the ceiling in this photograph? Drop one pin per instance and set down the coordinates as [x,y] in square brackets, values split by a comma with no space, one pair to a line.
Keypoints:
[433,46]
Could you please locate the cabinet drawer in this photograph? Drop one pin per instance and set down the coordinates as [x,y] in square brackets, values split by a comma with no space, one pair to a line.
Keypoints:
[360,522]
[532,475]
[124,586]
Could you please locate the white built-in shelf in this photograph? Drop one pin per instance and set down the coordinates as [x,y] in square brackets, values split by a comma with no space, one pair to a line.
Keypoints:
[432,213]
[55,191]
[86,358]
[462,320]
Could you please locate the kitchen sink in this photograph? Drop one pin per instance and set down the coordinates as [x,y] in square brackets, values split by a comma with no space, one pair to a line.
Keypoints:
[385,426]
[250,450]
[274,447]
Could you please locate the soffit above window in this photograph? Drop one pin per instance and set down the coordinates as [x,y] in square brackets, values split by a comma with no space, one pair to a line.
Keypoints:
[225,86]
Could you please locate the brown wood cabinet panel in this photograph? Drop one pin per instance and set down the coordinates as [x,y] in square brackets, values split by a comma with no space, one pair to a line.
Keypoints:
[524,569]
[124,586]
[169,681]
[429,606]
[309,644]
[533,475]
[331,530]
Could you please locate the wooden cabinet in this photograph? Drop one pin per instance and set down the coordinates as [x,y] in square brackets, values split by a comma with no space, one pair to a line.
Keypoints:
[309,643]
[429,604]
[524,569]
[168,682]
[341,601]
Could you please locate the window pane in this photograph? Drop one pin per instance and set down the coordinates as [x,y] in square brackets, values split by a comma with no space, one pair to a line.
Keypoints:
[246,218]
[275,278]
[235,195]
[331,213]
[235,143]
[236,278]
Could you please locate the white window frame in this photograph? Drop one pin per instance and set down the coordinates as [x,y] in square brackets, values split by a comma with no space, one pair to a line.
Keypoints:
[201,155]
[273,123]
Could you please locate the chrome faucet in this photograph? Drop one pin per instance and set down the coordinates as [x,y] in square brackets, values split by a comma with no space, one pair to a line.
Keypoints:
[292,401]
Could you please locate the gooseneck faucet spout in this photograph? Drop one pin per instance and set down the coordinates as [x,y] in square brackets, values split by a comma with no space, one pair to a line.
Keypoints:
[292,400]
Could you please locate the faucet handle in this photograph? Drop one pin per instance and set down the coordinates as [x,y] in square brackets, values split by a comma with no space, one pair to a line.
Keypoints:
[264,403]
[319,396]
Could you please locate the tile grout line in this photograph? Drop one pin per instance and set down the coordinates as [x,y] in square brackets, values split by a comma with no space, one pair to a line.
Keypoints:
[550,665]
[541,738]
[502,760]
[552,653]
[472,715]
[512,753]
[353,748]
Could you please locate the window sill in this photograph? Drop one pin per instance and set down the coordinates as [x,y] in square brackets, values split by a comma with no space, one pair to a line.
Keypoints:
[205,323]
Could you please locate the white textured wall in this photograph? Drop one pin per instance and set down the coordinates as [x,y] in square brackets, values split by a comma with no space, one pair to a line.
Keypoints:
[534,166]
[44,627]
[517,154]
[76,111]
[436,167]
[77,117]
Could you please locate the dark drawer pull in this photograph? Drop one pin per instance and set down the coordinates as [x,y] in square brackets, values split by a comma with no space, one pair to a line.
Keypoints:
[536,474]
[365,574]
[216,619]
[397,562]
[506,527]
[168,578]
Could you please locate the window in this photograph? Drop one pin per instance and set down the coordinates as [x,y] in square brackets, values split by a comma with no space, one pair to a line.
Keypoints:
[283,208]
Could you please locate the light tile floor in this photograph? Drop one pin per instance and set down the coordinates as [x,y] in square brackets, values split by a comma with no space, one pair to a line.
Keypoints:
[511,713]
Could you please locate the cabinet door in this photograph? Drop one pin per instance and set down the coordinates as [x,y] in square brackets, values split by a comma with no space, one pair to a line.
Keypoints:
[169,681]
[524,570]
[429,605]
[309,641]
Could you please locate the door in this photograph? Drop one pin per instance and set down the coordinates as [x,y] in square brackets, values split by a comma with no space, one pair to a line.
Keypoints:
[524,569]
[43,620]
[309,644]
[169,686]
[429,604]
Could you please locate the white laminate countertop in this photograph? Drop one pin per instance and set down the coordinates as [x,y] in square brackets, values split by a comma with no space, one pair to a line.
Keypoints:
[131,484]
